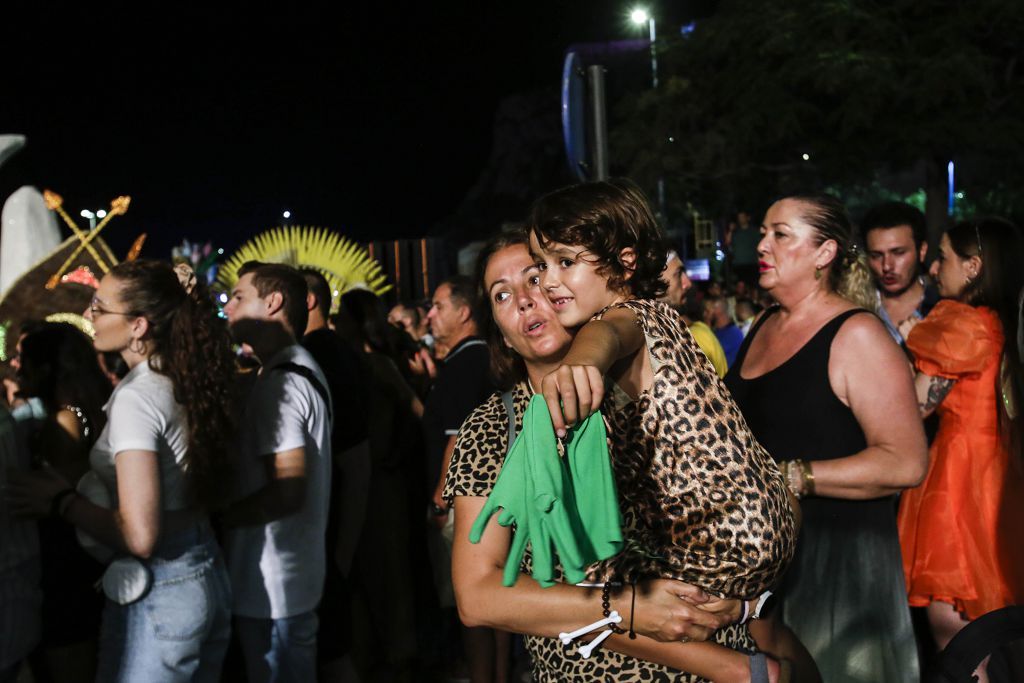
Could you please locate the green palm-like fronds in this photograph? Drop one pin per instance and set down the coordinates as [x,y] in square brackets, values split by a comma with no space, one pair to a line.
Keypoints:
[344,263]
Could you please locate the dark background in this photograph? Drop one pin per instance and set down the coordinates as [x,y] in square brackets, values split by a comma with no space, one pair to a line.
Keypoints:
[374,120]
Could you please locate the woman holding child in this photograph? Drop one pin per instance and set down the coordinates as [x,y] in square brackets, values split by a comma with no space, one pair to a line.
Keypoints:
[598,248]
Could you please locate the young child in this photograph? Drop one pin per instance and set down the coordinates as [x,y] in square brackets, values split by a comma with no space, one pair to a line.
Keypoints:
[705,500]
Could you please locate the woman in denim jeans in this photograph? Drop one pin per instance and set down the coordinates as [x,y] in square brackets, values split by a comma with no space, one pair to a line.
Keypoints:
[160,458]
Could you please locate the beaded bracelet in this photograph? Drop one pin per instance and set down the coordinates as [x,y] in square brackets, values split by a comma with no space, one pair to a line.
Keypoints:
[606,607]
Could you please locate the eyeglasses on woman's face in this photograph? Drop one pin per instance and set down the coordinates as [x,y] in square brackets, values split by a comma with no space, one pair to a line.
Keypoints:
[96,310]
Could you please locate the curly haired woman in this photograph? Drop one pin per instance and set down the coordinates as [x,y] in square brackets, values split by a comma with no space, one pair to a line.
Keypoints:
[160,458]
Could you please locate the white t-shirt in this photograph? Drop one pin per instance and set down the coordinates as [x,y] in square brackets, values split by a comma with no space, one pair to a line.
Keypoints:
[277,569]
[142,415]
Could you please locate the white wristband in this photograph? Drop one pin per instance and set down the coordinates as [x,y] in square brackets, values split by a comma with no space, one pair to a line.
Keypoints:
[746,612]
[760,604]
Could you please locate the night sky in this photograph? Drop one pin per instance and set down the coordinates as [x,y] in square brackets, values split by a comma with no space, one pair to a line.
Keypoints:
[371,119]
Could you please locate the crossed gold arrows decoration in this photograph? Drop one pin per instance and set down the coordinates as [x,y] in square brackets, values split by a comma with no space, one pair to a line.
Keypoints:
[55,202]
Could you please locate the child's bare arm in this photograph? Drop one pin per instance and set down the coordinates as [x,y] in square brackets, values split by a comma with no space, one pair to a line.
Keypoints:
[575,389]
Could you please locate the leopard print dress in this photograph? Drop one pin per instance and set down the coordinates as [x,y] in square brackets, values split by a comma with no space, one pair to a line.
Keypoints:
[706,502]
[479,453]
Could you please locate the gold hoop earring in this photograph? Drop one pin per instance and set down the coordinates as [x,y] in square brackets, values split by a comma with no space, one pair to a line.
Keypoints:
[137,346]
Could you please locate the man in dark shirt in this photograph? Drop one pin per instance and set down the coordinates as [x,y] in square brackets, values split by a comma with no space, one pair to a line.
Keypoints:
[347,381]
[463,383]
[340,363]
[463,380]
[742,243]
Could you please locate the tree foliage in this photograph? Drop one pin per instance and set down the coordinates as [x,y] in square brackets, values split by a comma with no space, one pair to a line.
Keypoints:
[862,87]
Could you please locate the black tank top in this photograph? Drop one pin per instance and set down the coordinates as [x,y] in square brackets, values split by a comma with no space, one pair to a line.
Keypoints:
[792,409]
[794,413]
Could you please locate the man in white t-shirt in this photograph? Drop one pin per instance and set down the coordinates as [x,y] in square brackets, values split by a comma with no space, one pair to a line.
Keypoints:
[275,537]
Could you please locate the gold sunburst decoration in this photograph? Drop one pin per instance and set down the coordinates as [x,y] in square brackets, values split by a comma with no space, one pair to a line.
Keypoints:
[345,264]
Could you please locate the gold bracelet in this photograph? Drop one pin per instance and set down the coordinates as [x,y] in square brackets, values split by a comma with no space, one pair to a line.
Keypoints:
[808,478]
[792,477]
[798,477]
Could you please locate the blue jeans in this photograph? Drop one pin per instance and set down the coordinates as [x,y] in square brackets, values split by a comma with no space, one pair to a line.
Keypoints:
[179,630]
[279,650]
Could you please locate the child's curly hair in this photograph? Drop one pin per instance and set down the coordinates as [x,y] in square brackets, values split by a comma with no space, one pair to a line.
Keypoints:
[604,218]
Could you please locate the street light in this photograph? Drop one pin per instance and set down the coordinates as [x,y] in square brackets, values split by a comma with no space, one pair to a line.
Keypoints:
[92,216]
[640,16]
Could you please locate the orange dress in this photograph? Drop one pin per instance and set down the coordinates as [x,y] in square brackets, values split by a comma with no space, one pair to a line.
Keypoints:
[960,530]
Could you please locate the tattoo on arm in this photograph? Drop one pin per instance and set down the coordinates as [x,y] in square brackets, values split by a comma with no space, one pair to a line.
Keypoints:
[938,387]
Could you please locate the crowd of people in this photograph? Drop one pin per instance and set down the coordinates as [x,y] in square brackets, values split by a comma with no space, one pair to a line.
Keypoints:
[299,490]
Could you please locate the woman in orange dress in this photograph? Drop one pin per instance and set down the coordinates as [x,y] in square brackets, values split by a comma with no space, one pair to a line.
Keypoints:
[960,529]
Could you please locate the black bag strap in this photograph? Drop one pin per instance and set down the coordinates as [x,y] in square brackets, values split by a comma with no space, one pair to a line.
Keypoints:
[311,377]
[507,399]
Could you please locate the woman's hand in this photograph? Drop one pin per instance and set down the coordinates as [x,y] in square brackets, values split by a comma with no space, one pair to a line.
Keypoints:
[30,494]
[668,611]
[572,393]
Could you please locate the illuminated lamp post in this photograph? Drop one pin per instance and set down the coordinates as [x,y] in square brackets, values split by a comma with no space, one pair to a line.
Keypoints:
[92,216]
[640,16]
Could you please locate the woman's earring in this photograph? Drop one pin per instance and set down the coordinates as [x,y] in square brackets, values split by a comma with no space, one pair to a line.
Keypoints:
[817,273]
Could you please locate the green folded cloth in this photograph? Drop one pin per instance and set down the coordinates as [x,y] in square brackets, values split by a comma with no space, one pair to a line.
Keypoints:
[565,508]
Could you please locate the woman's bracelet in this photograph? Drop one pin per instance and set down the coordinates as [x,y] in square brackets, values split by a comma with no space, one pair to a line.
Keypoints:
[56,509]
[606,607]
[754,613]
[798,476]
[808,477]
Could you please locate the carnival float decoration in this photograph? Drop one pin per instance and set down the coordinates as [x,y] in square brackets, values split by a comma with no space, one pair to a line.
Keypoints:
[60,285]
[200,257]
[345,264]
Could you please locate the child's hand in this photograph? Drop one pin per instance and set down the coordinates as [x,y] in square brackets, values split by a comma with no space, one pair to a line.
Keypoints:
[572,393]
[725,607]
